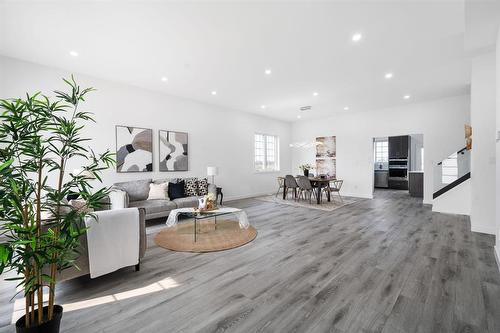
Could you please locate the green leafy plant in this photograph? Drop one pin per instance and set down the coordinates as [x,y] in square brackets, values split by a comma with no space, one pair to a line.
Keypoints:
[40,230]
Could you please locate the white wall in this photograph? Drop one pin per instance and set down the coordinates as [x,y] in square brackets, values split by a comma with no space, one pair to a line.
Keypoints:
[483,160]
[455,201]
[497,204]
[217,137]
[417,143]
[441,122]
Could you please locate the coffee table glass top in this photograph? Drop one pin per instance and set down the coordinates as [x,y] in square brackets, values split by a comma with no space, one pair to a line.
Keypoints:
[198,215]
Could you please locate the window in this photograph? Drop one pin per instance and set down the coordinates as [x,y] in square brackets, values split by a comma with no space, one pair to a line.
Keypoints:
[381,151]
[266,153]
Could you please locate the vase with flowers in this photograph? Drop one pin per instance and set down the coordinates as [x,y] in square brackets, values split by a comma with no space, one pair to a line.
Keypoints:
[305,168]
[207,203]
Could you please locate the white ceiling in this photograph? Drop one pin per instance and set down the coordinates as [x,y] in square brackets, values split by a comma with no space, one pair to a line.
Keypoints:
[227,46]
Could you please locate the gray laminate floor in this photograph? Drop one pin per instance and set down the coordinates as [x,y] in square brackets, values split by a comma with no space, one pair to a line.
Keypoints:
[382,265]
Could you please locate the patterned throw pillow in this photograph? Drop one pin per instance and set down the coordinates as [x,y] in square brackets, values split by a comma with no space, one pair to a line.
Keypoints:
[202,186]
[190,187]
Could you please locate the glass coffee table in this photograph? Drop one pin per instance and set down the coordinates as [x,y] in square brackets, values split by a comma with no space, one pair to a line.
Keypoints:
[197,217]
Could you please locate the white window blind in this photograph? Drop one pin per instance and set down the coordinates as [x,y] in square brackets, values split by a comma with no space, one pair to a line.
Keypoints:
[266,152]
[381,151]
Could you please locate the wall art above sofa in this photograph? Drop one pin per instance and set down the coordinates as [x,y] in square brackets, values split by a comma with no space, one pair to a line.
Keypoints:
[134,149]
[173,151]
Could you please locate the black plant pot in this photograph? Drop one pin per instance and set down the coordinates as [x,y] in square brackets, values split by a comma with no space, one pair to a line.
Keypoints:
[51,326]
[306,172]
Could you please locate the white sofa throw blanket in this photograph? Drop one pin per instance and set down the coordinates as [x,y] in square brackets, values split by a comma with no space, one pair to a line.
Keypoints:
[113,240]
[242,216]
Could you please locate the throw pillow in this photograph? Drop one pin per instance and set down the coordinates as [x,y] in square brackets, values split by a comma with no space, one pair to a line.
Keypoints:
[202,186]
[190,187]
[176,190]
[158,191]
[80,206]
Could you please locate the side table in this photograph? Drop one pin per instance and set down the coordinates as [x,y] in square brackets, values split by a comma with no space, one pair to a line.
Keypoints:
[219,192]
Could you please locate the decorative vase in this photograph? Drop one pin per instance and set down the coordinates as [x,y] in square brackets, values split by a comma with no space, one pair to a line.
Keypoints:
[51,326]
[306,172]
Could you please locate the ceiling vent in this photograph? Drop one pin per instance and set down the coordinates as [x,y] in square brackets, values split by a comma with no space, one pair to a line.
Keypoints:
[306,108]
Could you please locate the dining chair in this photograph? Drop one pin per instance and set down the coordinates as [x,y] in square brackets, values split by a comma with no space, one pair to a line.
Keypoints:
[335,186]
[281,185]
[305,187]
[291,183]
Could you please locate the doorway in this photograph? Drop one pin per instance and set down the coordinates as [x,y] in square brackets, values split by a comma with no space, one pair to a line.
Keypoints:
[398,164]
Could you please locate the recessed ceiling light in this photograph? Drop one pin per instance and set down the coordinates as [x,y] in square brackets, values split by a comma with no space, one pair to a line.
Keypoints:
[299,116]
[406,96]
[315,93]
[388,75]
[73,53]
[164,79]
[346,108]
[262,106]
[268,71]
[214,92]
[357,37]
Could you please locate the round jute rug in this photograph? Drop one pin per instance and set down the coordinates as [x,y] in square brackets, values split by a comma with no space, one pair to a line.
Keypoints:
[226,235]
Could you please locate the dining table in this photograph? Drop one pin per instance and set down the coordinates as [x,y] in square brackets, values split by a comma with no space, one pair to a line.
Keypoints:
[318,183]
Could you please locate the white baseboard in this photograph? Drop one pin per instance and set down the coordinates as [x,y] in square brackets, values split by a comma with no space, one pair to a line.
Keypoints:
[497,255]
[247,196]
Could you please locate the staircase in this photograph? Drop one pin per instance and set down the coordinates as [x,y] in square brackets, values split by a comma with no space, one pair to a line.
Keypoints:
[451,172]
[451,192]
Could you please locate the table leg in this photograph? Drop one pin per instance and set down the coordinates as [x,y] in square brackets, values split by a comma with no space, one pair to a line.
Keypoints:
[195,230]
[329,194]
[215,217]
[318,196]
[284,192]
[221,197]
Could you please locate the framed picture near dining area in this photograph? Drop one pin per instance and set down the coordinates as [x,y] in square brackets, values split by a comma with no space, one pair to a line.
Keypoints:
[326,166]
[326,154]
[326,147]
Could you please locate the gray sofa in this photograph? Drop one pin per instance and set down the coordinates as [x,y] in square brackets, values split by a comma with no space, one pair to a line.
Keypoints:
[135,194]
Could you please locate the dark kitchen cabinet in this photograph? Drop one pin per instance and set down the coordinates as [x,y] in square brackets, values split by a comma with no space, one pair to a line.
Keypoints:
[398,147]
[398,184]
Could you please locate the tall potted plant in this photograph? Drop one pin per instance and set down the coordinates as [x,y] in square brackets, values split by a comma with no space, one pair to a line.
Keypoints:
[40,230]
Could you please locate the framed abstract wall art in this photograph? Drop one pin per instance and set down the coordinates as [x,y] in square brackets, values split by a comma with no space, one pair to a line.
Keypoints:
[326,147]
[173,151]
[326,156]
[134,149]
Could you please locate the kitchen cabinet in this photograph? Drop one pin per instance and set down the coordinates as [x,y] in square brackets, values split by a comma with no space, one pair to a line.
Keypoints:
[416,183]
[398,183]
[381,178]
[398,147]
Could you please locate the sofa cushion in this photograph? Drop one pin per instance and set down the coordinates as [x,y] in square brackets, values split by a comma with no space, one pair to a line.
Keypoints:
[186,202]
[166,180]
[202,185]
[191,187]
[154,206]
[137,190]
[176,190]
[158,191]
